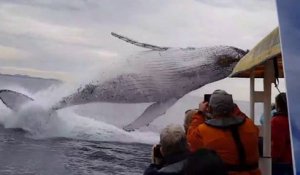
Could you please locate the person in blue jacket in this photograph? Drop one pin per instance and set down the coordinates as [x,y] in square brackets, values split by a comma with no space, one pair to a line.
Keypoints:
[273,111]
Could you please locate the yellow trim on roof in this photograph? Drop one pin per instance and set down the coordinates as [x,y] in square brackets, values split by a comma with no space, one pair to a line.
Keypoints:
[266,49]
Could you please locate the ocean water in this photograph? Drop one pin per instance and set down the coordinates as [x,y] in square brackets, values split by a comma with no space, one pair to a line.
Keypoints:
[86,139]
[32,142]
[20,154]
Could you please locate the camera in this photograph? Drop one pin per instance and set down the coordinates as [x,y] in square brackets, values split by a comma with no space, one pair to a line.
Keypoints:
[207,97]
[156,152]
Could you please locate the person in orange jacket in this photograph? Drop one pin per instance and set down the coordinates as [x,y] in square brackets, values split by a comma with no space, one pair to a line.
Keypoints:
[195,115]
[230,133]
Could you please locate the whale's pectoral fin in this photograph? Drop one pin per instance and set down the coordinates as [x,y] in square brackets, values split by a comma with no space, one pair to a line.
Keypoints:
[153,111]
[13,100]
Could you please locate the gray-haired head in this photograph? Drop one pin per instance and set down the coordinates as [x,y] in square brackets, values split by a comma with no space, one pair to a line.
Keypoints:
[221,103]
[173,140]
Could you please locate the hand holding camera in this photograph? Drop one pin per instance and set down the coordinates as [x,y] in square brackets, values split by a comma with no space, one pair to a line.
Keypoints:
[203,106]
[207,97]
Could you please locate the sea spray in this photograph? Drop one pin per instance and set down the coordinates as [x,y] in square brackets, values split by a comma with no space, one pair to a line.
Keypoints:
[40,122]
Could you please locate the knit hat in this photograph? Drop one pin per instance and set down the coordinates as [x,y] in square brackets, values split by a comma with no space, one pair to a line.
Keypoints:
[221,102]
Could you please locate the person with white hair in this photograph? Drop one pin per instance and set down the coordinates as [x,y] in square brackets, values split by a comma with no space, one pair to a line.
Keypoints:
[169,155]
[230,133]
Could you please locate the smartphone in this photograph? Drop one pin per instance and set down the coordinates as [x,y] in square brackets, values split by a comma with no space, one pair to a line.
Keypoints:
[207,97]
[157,152]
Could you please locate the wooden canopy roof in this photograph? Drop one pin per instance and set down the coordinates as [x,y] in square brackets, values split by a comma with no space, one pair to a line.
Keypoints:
[253,62]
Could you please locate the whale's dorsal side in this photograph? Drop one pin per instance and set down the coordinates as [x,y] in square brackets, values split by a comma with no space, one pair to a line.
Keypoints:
[139,44]
[13,100]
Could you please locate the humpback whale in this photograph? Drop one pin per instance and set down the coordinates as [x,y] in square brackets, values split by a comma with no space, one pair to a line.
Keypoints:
[165,75]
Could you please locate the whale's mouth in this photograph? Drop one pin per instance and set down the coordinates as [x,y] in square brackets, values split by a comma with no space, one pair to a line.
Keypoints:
[226,61]
[241,53]
[229,60]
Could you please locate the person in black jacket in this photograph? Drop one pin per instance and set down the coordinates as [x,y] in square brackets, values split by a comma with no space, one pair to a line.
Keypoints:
[204,162]
[168,157]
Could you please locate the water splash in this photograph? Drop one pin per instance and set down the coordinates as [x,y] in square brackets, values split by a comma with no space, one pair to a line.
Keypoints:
[36,118]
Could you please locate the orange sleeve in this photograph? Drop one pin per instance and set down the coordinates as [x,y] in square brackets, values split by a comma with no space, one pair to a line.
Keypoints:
[193,136]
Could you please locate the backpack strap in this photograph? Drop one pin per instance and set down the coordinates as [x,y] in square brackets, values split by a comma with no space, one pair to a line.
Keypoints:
[239,145]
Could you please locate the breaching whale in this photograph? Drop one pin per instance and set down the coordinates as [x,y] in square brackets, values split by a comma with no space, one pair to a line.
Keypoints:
[165,75]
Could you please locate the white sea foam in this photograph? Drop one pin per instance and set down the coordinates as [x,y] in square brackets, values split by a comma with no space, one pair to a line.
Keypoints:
[36,118]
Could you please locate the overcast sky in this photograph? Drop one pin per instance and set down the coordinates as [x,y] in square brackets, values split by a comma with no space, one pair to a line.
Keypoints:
[56,38]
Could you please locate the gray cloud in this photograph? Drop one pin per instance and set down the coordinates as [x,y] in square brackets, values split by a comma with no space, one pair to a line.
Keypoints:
[55,34]
[245,5]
